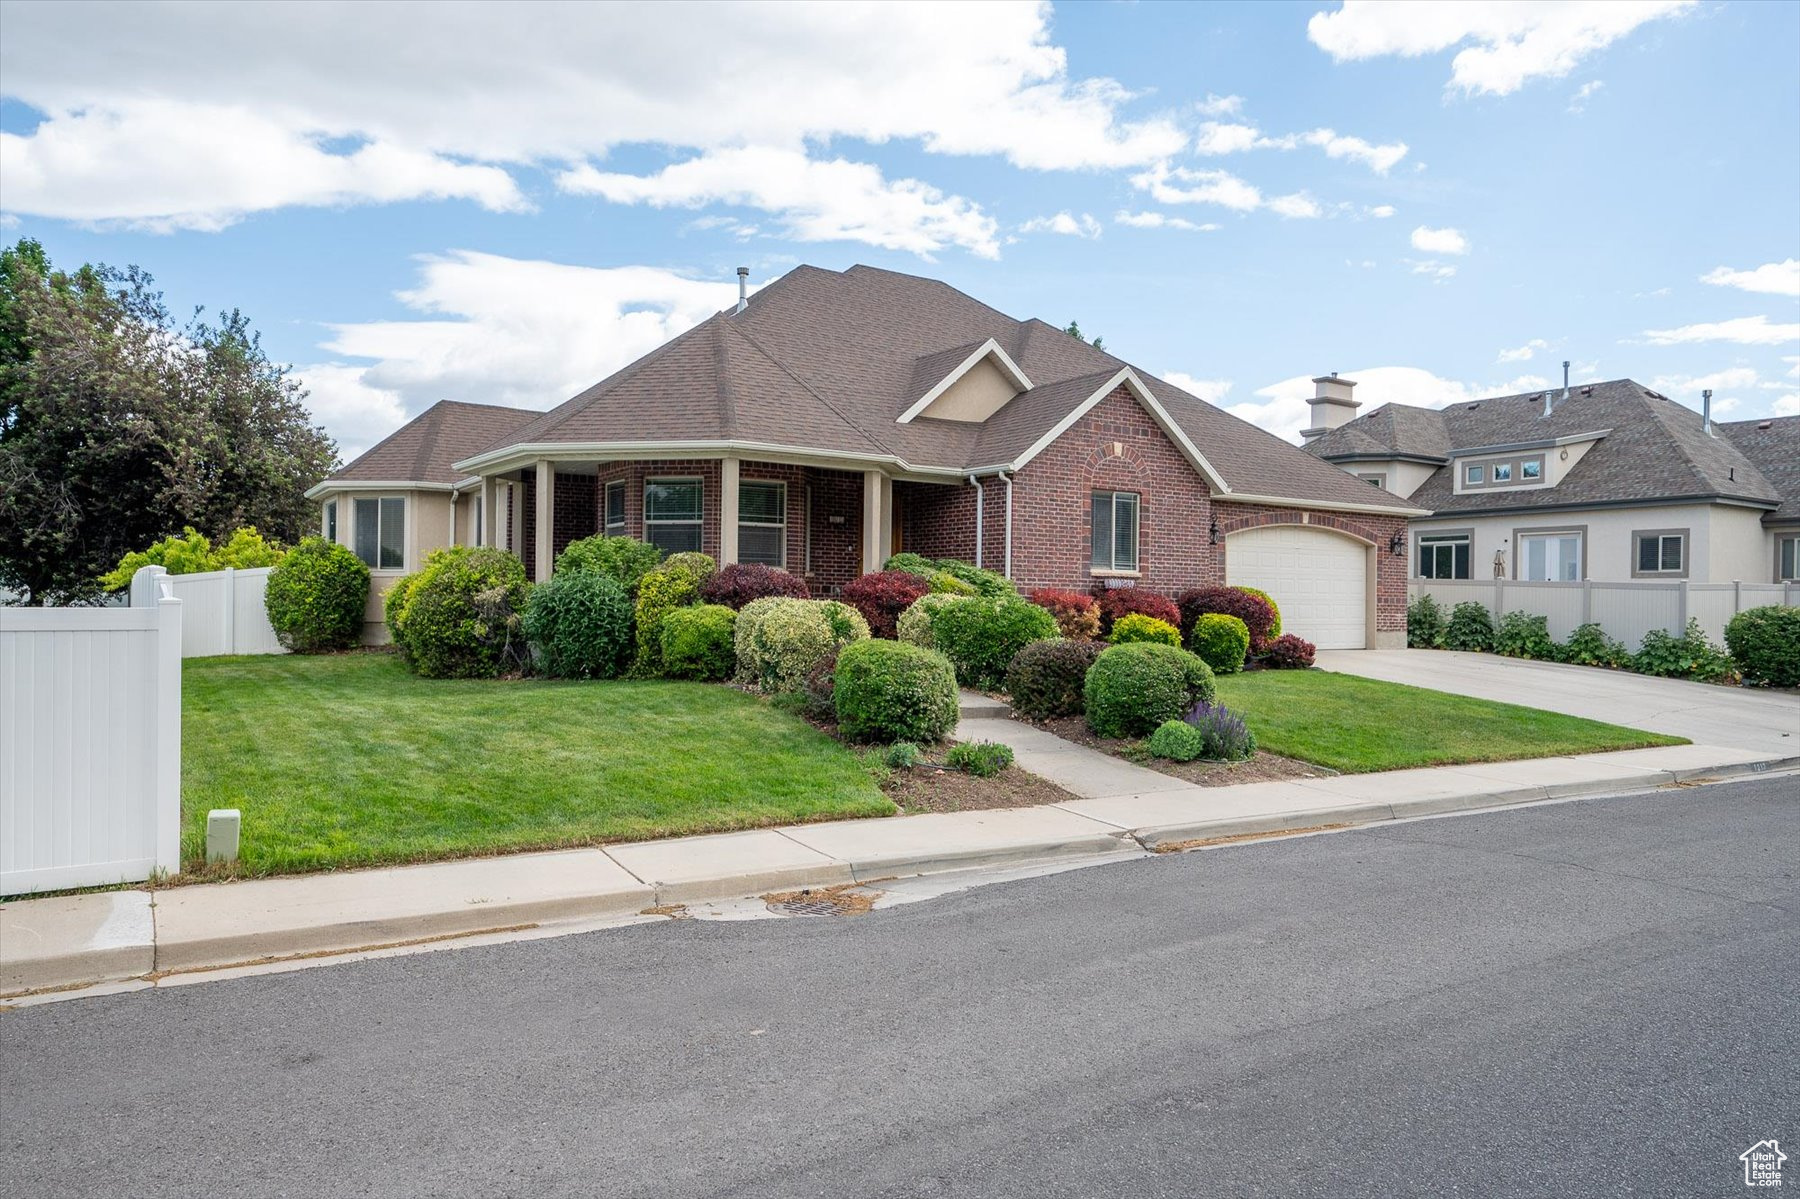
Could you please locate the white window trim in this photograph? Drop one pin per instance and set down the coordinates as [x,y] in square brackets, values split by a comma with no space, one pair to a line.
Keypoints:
[699,523]
[1474,475]
[781,489]
[405,532]
[1580,539]
[606,524]
[1114,570]
[328,521]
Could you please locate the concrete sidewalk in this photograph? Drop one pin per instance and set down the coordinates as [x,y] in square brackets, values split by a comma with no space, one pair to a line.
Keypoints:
[78,940]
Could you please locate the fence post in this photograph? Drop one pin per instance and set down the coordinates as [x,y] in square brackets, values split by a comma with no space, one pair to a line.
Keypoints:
[1681,610]
[231,646]
[1499,597]
[1737,596]
[1587,601]
[144,589]
[168,735]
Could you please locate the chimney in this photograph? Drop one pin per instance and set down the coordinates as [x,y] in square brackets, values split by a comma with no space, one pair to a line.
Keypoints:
[1331,406]
[743,288]
[1706,413]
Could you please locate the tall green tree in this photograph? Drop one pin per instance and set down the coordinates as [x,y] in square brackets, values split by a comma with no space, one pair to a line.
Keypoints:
[119,427]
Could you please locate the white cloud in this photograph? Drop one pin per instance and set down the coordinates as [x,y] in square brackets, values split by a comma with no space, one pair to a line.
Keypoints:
[817,201]
[141,126]
[1283,408]
[1437,270]
[1788,405]
[1214,138]
[1513,43]
[1380,159]
[1179,185]
[1381,211]
[1439,241]
[1524,352]
[1721,382]
[1771,278]
[500,331]
[1213,391]
[1064,223]
[1744,330]
[1299,205]
[1220,106]
[1160,220]
[1793,366]
[1584,93]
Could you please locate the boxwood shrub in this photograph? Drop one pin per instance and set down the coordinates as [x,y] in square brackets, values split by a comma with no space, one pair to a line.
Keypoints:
[316,596]
[1177,741]
[626,559]
[881,598]
[914,625]
[1135,626]
[740,583]
[674,584]
[697,642]
[981,635]
[1133,688]
[1045,678]
[1221,641]
[463,616]
[779,640]
[580,622]
[1257,613]
[1766,644]
[889,691]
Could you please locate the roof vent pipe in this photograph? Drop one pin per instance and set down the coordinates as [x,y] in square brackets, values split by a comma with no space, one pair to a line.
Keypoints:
[743,288]
[1706,412]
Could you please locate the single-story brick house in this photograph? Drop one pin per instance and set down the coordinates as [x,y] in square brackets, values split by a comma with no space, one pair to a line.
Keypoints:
[835,418]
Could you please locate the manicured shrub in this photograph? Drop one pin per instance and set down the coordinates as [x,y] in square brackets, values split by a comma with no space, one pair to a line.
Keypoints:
[901,755]
[464,618]
[889,691]
[1522,635]
[626,559]
[963,579]
[315,598]
[697,642]
[983,759]
[1115,602]
[393,607]
[1471,628]
[1045,678]
[1425,623]
[1288,652]
[1589,645]
[580,623]
[1257,613]
[1077,615]
[914,625]
[1274,628]
[1222,641]
[779,640]
[1224,734]
[1133,688]
[1689,656]
[1176,740]
[739,584]
[944,583]
[912,564]
[882,597]
[980,635]
[674,584]
[1135,626]
[191,553]
[985,582]
[1765,642]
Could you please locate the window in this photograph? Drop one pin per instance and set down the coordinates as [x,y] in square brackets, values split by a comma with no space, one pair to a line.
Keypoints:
[1444,555]
[1661,553]
[1374,480]
[381,533]
[1787,553]
[672,515]
[1532,469]
[615,508]
[331,522]
[762,523]
[1502,472]
[1115,530]
[1474,474]
[1550,557]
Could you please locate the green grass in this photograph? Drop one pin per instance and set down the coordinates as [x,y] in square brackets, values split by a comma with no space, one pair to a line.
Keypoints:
[350,760]
[1356,725]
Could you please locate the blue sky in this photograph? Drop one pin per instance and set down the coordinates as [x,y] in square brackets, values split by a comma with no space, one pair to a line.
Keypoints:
[504,204]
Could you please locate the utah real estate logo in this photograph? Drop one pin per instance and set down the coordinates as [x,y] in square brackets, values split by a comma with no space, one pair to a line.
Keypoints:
[1762,1164]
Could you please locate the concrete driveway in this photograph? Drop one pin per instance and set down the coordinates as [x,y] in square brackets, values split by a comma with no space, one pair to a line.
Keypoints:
[1743,717]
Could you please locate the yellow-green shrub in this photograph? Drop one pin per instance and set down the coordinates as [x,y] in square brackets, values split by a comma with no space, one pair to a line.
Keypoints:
[674,584]
[779,640]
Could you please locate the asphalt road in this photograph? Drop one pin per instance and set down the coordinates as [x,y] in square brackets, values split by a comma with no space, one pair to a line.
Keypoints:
[1600,997]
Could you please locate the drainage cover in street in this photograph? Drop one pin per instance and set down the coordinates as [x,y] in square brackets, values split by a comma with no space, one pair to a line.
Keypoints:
[834,901]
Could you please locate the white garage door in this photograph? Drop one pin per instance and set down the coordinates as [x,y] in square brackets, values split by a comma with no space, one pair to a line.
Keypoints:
[1318,578]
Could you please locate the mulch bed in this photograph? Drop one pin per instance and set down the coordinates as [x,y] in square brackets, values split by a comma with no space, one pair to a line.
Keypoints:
[1261,768]
[927,788]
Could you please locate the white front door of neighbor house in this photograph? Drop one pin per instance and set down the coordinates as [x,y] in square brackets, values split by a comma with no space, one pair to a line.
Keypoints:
[1319,580]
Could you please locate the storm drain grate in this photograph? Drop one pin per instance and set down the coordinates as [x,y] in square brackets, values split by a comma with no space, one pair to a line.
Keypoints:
[834,901]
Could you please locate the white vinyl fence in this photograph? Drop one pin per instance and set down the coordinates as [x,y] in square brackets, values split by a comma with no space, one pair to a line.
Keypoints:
[223,609]
[1624,610]
[90,745]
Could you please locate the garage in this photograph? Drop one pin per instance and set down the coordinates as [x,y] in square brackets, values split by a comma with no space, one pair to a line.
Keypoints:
[1319,578]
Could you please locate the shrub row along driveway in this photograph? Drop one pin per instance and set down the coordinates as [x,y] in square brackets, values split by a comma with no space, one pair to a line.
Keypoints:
[350,760]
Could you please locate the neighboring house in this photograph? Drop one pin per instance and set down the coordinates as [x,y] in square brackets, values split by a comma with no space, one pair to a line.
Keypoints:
[835,418]
[1605,482]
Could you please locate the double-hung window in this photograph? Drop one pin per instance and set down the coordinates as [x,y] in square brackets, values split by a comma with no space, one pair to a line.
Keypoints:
[381,532]
[1787,555]
[1444,555]
[1115,530]
[672,515]
[1550,557]
[331,522]
[615,508]
[1661,553]
[762,523]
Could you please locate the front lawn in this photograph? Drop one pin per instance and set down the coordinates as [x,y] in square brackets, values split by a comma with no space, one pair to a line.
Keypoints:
[1356,725]
[350,760]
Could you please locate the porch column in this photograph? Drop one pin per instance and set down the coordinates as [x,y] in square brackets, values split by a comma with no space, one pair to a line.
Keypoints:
[490,510]
[874,531]
[515,499]
[728,511]
[546,487]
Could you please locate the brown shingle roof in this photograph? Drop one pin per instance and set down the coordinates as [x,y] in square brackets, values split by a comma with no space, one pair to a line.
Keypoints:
[1773,445]
[422,450]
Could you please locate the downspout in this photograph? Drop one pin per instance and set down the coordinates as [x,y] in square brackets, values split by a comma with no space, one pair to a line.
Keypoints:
[1007,479]
[453,514]
[980,496]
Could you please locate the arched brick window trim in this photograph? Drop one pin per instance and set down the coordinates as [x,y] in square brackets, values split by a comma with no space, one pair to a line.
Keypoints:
[1350,527]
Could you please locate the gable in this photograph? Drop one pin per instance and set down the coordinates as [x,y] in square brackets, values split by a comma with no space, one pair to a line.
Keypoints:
[978,383]
[981,391]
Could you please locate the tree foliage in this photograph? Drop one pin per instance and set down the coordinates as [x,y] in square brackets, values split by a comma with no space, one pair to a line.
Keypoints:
[120,426]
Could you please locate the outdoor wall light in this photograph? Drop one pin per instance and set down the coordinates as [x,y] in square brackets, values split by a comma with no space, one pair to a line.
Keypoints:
[1213,533]
[1397,546]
